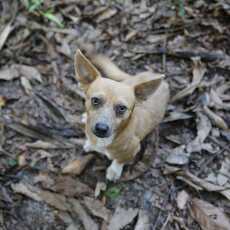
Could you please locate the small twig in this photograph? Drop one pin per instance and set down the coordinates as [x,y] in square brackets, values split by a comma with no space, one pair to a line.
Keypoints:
[164,67]
[166,222]
[184,54]
[37,26]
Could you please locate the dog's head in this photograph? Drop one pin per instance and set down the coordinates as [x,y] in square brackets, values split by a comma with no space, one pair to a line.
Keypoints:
[109,104]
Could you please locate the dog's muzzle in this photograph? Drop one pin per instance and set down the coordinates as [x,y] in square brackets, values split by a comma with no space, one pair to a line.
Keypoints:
[101,130]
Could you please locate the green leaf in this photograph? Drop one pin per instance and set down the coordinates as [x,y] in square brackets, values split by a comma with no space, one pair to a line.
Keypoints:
[34,5]
[113,192]
[181,8]
[49,15]
[12,162]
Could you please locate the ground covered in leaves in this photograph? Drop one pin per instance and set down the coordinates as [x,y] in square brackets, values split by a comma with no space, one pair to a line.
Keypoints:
[46,180]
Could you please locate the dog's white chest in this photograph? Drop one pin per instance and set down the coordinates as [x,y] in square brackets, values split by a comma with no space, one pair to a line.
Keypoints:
[88,146]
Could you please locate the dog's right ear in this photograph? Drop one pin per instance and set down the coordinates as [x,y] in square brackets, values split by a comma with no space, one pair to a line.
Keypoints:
[85,71]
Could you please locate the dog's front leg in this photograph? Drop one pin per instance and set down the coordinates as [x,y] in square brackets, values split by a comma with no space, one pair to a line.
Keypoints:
[114,171]
[87,146]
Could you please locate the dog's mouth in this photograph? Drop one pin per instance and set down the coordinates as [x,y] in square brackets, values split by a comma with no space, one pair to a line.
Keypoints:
[101,130]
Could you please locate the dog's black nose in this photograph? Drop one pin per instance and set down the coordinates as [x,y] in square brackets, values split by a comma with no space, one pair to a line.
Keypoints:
[101,130]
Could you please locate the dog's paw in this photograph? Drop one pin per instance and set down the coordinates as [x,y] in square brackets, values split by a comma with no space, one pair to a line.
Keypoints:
[114,171]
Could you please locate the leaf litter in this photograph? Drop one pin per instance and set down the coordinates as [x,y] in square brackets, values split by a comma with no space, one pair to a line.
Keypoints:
[42,104]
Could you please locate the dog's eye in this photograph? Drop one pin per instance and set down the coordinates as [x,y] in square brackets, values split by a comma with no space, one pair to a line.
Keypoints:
[96,101]
[120,109]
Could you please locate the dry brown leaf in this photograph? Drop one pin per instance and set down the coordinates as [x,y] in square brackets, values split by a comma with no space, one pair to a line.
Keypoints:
[204,127]
[29,72]
[77,166]
[9,74]
[178,156]
[175,116]
[216,119]
[26,190]
[143,221]
[69,186]
[56,200]
[182,199]
[130,35]
[42,145]
[136,171]
[2,101]
[97,208]
[208,216]
[198,73]
[26,85]
[217,102]
[106,14]
[121,218]
[5,33]
[72,227]
[201,184]
[222,177]
[87,221]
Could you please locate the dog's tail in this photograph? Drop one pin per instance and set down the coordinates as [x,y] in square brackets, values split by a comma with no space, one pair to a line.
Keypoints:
[104,65]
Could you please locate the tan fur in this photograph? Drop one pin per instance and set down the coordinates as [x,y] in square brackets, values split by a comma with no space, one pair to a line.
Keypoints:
[146,96]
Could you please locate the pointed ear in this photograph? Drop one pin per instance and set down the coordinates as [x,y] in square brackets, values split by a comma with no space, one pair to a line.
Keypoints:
[147,86]
[85,71]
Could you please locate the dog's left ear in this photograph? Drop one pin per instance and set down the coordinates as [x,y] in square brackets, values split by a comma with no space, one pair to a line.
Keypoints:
[146,86]
[85,71]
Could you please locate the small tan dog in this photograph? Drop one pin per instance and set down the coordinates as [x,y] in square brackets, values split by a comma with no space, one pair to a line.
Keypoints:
[121,109]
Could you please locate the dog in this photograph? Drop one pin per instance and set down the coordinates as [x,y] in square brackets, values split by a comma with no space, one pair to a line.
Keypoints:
[120,109]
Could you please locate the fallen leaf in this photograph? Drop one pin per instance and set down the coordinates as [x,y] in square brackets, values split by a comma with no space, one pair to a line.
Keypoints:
[100,187]
[113,192]
[77,166]
[182,199]
[178,156]
[9,74]
[198,73]
[175,116]
[106,14]
[204,127]
[69,186]
[5,33]
[87,221]
[208,216]
[27,190]
[216,119]
[121,218]
[56,200]
[139,169]
[26,85]
[143,221]
[42,145]
[222,176]
[72,227]
[202,184]
[31,73]
[97,208]
[2,101]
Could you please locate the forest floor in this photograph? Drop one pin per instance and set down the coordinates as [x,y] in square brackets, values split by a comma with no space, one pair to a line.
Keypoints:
[183,179]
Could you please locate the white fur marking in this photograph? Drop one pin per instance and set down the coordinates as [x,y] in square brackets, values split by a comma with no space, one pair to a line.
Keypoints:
[114,171]
[84,118]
